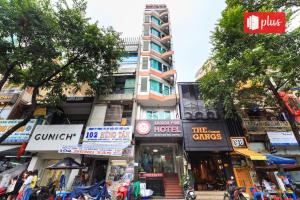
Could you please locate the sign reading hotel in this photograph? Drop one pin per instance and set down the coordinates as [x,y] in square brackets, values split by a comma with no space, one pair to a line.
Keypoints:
[204,134]
[158,128]
[19,136]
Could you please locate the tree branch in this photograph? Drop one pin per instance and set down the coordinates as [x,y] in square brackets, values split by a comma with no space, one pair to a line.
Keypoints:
[26,119]
[6,75]
[57,71]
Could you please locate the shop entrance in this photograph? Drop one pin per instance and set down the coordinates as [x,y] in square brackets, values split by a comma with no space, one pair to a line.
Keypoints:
[99,170]
[158,159]
[209,171]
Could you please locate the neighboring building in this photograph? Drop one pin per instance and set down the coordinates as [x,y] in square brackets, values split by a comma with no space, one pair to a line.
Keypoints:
[158,134]
[207,66]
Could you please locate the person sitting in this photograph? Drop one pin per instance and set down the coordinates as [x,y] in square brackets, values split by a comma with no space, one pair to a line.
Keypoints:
[257,194]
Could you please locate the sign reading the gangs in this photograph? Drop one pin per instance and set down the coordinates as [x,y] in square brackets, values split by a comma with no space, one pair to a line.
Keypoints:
[203,134]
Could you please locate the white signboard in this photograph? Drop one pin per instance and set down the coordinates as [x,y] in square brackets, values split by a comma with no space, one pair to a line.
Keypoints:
[282,138]
[53,137]
[19,136]
[108,134]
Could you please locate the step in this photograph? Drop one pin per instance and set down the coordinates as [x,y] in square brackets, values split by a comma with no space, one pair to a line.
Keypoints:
[173,191]
[209,195]
[174,197]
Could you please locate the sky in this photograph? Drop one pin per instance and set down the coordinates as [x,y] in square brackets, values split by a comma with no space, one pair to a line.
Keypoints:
[192,22]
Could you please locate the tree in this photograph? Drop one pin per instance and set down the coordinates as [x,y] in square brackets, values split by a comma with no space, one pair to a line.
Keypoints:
[269,62]
[53,48]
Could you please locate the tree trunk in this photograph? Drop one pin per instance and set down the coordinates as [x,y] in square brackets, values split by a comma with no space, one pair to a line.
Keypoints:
[286,111]
[26,119]
[6,75]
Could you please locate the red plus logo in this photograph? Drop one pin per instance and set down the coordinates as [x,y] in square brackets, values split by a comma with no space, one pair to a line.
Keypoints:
[143,127]
[264,22]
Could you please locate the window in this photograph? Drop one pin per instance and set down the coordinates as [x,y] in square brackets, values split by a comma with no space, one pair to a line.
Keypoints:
[132,58]
[155,32]
[155,64]
[166,90]
[158,114]
[146,46]
[152,115]
[144,84]
[165,68]
[146,30]
[145,63]
[155,47]
[167,114]
[156,86]
[147,18]
[155,20]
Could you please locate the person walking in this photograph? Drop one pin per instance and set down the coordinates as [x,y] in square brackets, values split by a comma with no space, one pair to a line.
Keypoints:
[27,189]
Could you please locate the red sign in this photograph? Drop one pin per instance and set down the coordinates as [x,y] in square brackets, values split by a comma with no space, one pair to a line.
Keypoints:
[264,22]
[151,175]
[158,128]
[143,127]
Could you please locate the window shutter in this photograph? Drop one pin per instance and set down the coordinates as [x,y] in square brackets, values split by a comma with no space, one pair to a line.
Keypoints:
[144,84]
[145,63]
[146,46]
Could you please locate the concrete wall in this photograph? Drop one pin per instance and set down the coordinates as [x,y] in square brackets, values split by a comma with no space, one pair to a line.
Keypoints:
[97,115]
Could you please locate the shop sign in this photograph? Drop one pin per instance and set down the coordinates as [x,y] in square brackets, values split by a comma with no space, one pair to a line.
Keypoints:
[239,142]
[158,128]
[151,175]
[53,137]
[203,133]
[282,138]
[206,136]
[108,134]
[19,136]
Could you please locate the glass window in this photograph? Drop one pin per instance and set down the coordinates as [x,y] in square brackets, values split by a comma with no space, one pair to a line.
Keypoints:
[155,86]
[146,46]
[152,115]
[165,68]
[146,30]
[166,90]
[155,64]
[130,59]
[145,63]
[167,114]
[155,32]
[155,47]
[144,84]
[155,20]
[147,18]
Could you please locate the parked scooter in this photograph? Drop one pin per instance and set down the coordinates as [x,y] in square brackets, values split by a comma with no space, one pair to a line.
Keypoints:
[235,193]
[43,192]
[122,191]
[189,193]
[3,194]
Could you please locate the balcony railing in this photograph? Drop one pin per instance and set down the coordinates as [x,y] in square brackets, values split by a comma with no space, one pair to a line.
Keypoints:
[260,125]
[122,91]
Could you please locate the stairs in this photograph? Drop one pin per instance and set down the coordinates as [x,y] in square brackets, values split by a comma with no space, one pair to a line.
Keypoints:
[172,187]
[210,195]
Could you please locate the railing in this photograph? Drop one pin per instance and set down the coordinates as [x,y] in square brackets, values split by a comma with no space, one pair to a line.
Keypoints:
[123,91]
[255,125]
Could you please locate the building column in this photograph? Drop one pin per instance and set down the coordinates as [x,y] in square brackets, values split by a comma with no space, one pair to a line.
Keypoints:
[97,115]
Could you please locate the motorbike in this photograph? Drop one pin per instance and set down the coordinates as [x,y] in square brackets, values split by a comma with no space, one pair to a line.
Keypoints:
[189,193]
[235,193]
[122,191]
[43,192]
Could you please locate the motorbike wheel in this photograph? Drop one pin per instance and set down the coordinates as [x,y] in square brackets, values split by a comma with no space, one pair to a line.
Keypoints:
[242,198]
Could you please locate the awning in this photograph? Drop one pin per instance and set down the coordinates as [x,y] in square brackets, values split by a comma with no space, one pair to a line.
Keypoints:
[8,147]
[280,160]
[250,154]
[270,168]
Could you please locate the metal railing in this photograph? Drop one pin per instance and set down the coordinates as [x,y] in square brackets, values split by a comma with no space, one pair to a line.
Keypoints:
[122,91]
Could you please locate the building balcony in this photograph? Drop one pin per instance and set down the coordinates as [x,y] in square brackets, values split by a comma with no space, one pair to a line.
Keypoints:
[119,94]
[156,99]
[166,40]
[165,27]
[261,126]
[164,15]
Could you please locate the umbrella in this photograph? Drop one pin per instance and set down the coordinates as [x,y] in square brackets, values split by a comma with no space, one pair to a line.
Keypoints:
[280,160]
[66,163]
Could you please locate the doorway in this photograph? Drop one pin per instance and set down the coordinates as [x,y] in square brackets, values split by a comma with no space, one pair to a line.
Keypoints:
[99,170]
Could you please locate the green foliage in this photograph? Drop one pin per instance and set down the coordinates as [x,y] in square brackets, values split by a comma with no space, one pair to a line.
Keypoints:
[242,57]
[55,46]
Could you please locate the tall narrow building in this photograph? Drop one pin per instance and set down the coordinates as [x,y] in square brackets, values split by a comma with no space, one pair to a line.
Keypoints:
[158,133]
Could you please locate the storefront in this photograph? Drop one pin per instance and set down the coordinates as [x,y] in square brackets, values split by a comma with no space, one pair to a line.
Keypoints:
[10,153]
[207,146]
[45,143]
[107,153]
[159,154]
